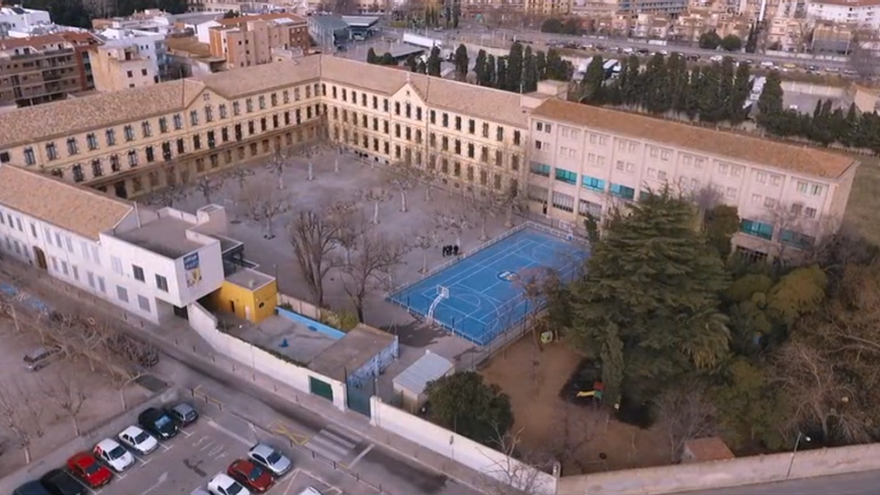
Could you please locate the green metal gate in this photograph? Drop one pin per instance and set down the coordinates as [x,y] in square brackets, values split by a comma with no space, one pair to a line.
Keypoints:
[358,398]
[320,388]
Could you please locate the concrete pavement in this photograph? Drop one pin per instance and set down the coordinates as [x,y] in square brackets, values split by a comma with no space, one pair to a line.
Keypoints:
[867,483]
[395,464]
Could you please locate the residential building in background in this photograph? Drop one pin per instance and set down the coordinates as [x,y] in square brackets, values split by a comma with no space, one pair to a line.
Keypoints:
[41,69]
[569,159]
[248,40]
[586,159]
[117,67]
[136,45]
[864,14]
[157,21]
[19,19]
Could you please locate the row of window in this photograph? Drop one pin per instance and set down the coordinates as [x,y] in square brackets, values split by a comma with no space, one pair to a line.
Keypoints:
[765,231]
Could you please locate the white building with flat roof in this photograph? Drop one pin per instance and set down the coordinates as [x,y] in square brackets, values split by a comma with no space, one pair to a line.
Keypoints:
[148,45]
[19,19]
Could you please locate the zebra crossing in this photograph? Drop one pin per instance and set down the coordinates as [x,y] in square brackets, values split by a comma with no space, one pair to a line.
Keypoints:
[333,444]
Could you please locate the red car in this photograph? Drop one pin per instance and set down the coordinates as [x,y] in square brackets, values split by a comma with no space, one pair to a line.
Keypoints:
[250,475]
[85,467]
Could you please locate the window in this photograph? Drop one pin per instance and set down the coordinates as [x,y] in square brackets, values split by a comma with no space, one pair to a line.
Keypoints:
[541,169]
[816,190]
[757,229]
[52,151]
[78,175]
[129,133]
[92,141]
[138,273]
[194,117]
[769,202]
[796,239]
[110,136]
[623,192]
[730,193]
[115,263]
[132,158]
[592,183]
[143,303]
[68,242]
[30,158]
[810,212]
[178,121]
[146,129]
[91,278]
[566,176]
[563,202]
[75,271]
[121,293]
[101,286]
[161,283]
[96,257]
[72,146]
[588,208]
[756,199]
[761,177]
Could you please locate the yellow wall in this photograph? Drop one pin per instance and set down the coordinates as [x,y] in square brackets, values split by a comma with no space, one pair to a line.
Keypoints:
[246,301]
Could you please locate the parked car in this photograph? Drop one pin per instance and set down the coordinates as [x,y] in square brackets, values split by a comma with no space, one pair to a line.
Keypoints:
[60,482]
[158,422]
[41,357]
[31,488]
[85,467]
[114,455]
[270,458]
[309,490]
[222,484]
[183,414]
[134,350]
[251,475]
[138,440]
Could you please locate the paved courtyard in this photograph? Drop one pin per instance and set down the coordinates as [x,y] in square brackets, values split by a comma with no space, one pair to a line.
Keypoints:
[354,180]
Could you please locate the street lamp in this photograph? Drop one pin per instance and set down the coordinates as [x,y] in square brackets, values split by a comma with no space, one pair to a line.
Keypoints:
[793,452]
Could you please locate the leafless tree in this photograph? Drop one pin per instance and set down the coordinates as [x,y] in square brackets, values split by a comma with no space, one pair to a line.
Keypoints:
[345,215]
[706,198]
[17,417]
[375,255]
[573,429]
[377,196]
[685,413]
[175,189]
[425,240]
[278,163]
[521,470]
[264,203]
[787,218]
[533,284]
[240,176]
[67,393]
[453,220]
[314,237]
[208,185]
[402,177]
[482,205]
[429,178]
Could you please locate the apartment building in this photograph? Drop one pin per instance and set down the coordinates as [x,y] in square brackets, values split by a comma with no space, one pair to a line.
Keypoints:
[585,160]
[41,69]
[248,40]
[117,67]
[571,159]
[17,18]
[665,7]
[153,264]
[137,45]
[862,13]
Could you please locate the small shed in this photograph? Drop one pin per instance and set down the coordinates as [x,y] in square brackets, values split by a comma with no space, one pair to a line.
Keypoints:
[705,450]
[411,382]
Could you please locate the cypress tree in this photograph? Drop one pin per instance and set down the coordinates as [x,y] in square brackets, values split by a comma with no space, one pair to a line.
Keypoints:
[656,95]
[592,82]
[412,63]
[371,56]
[461,62]
[480,68]
[725,88]
[434,61]
[708,102]
[530,71]
[514,80]
[541,64]
[648,304]
[630,87]
[770,104]
[491,65]
[850,126]
[695,87]
[742,88]
[501,73]
[676,68]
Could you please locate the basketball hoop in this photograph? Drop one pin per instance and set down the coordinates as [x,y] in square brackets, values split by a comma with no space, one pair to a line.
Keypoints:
[442,293]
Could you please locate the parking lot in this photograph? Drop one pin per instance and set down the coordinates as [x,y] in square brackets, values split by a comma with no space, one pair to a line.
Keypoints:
[188,461]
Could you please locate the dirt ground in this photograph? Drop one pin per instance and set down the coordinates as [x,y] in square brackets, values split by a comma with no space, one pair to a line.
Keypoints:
[574,435]
[38,394]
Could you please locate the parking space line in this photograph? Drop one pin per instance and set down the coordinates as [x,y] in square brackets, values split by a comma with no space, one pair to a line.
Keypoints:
[186,433]
[290,483]
[139,459]
[232,434]
[165,448]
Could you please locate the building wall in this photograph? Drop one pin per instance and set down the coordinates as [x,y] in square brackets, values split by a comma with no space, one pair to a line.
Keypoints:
[576,170]
[376,365]
[40,77]
[867,15]
[247,302]
[112,72]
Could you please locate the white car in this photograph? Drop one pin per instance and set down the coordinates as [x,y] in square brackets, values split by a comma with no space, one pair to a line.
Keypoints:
[310,490]
[114,455]
[222,484]
[138,440]
[274,461]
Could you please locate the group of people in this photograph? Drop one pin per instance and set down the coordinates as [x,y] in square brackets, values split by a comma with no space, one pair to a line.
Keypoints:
[450,250]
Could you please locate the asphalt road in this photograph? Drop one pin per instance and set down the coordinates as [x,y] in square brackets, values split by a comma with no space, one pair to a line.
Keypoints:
[476,34]
[867,483]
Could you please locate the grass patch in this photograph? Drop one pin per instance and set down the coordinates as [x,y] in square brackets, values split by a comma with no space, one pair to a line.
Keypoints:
[864,200]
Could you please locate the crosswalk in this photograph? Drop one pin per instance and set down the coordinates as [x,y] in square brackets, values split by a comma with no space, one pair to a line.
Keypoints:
[333,444]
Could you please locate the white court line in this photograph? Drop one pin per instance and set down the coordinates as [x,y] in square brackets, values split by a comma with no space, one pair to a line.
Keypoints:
[361,455]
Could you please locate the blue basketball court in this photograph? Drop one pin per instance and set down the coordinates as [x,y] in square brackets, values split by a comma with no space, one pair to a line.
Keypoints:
[483,298]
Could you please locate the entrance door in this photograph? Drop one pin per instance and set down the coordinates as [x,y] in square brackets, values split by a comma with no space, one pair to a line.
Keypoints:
[120,190]
[41,258]
[181,312]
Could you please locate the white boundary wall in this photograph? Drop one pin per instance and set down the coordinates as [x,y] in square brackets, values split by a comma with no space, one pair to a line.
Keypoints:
[504,469]
[724,474]
[205,324]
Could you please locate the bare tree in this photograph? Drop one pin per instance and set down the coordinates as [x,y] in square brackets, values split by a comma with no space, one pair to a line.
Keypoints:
[208,185]
[17,417]
[429,177]
[174,191]
[344,214]
[314,236]
[573,429]
[482,205]
[521,470]
[402,177]
[377,196]
[65,391]
[278,163]
[375,255]
[425,240]
[685,414]
[264,203]
[240,176]
[454,220]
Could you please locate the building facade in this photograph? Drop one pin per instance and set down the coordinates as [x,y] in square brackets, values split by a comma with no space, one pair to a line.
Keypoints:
[41,69]
[21,19]
[151,263]
[248,40]
[864,14]
[585,160]
[571,159]
[116,68]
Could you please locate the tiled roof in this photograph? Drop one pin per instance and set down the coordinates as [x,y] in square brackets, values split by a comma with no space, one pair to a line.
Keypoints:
[83,211]
[727,144]
[260,78]
[64,118]
[238,21]
[463,98]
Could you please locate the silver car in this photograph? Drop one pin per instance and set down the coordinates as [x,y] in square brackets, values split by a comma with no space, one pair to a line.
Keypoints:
[270,458]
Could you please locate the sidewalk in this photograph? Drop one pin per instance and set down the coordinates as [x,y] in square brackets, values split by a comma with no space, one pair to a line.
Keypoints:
[179,335]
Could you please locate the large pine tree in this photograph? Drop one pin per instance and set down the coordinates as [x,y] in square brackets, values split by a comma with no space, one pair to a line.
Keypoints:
[742,88]
[648,306]
[514,80]
[530,71]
